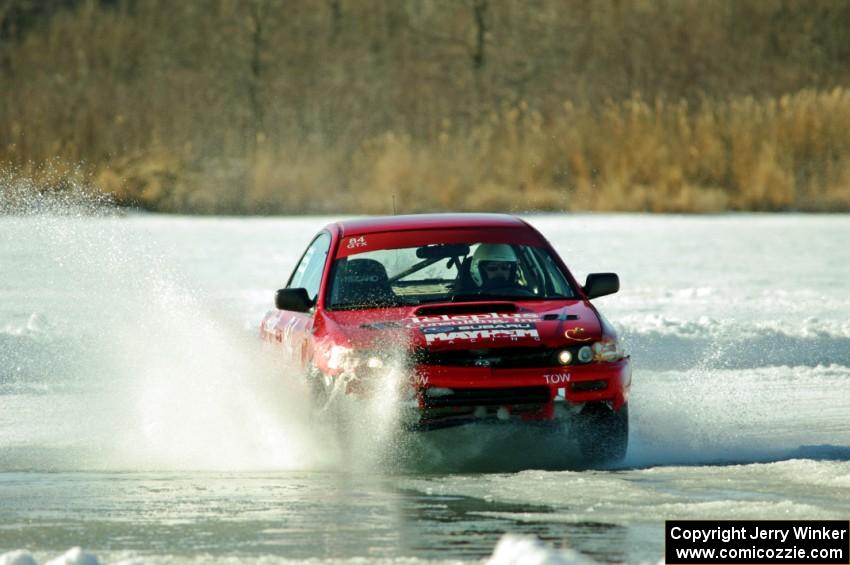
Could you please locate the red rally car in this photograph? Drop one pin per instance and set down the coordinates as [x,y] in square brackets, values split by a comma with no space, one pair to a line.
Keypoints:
[482,316]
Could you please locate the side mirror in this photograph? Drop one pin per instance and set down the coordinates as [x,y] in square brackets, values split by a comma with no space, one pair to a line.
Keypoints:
[294,299]
[600,284]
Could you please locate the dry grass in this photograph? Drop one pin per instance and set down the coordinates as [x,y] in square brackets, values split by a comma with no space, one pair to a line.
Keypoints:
[791,153]
[223,106]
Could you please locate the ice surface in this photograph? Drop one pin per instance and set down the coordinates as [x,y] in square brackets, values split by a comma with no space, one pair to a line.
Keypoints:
[18,557]
[128,344]
[75,556]
[512,549]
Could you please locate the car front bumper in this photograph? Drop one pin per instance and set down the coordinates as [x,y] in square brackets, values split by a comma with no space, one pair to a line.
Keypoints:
[449,396]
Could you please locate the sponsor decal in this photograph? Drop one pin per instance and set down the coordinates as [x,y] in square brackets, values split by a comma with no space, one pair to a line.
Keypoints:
[556,378]
[359,279]
[474,327]
[355,242]
[444,319]
[420,381]
[576,334]
[475,332]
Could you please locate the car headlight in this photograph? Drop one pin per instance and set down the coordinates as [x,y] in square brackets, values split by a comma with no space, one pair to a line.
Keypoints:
[608,349]
[346,358]
[340,357]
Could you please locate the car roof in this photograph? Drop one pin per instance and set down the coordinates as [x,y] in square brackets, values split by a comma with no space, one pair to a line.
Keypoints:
[379,224]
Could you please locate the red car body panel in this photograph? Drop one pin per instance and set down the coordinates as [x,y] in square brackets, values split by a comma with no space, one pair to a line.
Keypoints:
[430,336]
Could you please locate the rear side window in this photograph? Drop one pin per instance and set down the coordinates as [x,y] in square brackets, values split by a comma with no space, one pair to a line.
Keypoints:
[550,274]
[308,273]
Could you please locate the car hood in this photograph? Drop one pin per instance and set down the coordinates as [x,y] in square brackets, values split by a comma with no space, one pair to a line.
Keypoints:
[462,326]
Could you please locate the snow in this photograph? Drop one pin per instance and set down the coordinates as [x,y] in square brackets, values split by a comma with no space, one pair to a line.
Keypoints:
[525,550]
[136,402]
[18,557]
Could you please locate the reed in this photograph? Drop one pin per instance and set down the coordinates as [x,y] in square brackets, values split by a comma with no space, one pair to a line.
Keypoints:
[787,153]
[222,106]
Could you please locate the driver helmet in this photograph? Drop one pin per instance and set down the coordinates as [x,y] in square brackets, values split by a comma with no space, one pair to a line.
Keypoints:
[488,253]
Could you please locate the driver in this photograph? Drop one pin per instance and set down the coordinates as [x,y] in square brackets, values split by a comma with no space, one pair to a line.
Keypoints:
[494,265]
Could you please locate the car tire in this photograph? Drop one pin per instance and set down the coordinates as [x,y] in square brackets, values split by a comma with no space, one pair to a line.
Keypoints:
[603,433]
[329,413]
[316,384]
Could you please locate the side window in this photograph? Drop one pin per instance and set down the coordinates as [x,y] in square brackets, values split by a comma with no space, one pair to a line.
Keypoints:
[308,273]
[559,283]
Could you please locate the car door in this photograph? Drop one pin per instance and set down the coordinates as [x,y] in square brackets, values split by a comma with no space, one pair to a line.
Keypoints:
[293,330]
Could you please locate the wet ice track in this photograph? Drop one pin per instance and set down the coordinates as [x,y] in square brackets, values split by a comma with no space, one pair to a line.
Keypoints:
[139,418]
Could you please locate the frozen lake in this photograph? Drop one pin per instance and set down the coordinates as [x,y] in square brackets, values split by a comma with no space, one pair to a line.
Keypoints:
[140,419]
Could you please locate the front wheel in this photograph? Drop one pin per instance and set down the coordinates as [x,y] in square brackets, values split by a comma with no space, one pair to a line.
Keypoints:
[603,433]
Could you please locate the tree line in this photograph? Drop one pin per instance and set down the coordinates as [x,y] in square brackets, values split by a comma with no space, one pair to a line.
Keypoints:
[265,106]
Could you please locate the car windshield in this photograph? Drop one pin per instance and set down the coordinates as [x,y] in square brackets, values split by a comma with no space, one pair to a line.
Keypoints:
[446,272]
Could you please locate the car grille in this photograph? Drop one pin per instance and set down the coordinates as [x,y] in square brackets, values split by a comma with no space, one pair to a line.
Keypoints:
[490,397]
[497,358]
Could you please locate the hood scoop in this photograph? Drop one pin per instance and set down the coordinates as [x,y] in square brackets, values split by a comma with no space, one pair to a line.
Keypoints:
[560,317]
[471,308]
